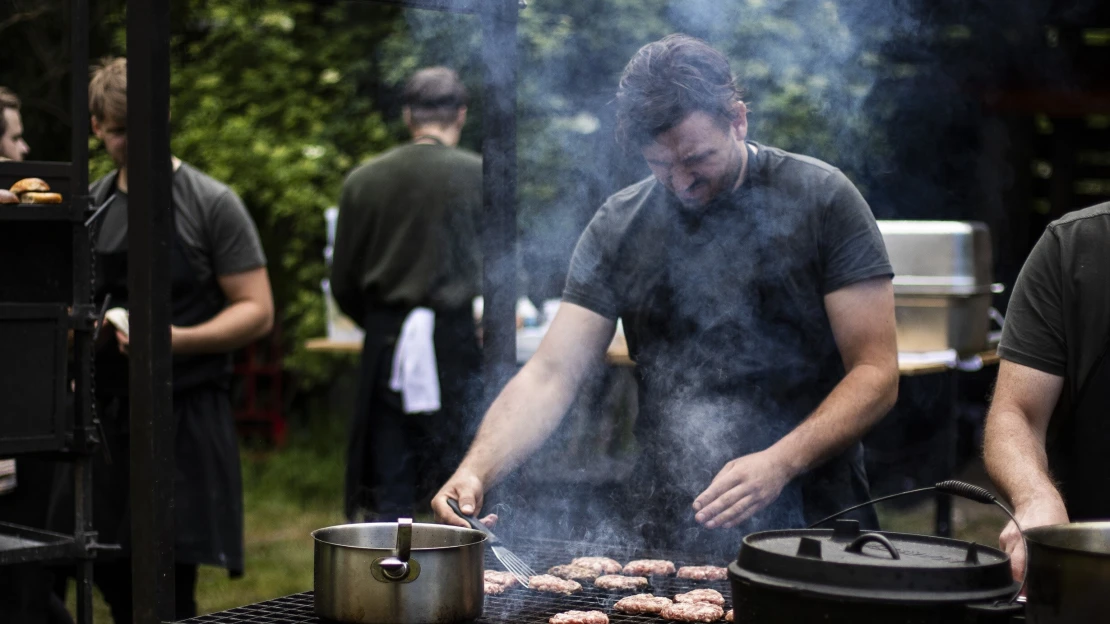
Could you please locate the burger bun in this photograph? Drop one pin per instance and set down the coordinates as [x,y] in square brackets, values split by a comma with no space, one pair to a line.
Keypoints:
[30,185]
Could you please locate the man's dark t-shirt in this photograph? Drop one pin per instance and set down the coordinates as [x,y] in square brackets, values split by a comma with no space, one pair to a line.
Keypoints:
[1058,320]
[407,232]
[725,318]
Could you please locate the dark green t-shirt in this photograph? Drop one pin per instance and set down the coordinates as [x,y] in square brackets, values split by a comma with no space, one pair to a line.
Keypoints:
[724,312]
[407,231]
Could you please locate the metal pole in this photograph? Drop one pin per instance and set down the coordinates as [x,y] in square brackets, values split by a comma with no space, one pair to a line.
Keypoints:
[82,294]
[149,221]
[499,240]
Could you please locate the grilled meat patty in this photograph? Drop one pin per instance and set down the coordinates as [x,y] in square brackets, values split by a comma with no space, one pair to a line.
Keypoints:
[553,584]
[579,617]
[621,583]
[500,578]
[703,573]
[692,612]
[648,567]
[603,565]
[574,572]
[641,604]
[728,615]
[710,596]
[495,589]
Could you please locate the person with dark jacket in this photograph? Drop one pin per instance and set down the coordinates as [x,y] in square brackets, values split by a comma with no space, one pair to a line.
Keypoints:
[1047,433]
[407,267]
[220,301]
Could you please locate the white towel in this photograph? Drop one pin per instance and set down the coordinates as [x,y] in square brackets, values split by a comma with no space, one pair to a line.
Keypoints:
[415,374]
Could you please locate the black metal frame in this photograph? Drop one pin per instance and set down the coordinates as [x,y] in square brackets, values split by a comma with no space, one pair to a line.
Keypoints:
[75,439]
[149,232]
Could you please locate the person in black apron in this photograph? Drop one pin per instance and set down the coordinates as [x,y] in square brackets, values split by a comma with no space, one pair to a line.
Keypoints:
[1052,399]
[407,239]
[208,508]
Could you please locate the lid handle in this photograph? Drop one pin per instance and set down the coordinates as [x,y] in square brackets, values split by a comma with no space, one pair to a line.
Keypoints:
[857,545]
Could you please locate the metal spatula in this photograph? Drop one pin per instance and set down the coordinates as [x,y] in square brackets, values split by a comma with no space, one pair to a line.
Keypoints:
[518,568]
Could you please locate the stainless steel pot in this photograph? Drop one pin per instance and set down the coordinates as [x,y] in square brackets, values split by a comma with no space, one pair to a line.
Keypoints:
[1069,573]
[404,573]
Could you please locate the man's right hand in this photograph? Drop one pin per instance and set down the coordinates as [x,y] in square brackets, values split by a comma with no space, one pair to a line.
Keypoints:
[1042,512]
[466,488]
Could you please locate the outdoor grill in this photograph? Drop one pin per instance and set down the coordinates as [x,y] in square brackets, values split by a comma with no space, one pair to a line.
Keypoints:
[517,604]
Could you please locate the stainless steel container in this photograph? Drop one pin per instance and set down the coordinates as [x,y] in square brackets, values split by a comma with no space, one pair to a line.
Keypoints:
[404,573]
[1069,573]
[942,284]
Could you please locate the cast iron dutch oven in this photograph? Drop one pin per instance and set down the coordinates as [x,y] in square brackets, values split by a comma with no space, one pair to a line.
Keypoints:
[843,575]
[403,573]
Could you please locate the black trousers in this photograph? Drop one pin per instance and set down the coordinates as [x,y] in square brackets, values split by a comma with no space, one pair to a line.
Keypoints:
[113,578]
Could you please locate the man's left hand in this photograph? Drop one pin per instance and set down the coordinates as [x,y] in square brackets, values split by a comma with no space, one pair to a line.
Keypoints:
[743,487]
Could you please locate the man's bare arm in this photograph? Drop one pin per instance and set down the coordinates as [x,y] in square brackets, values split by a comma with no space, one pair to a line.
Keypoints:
[529,408]
[862,319]
[1014,451]
[249,315]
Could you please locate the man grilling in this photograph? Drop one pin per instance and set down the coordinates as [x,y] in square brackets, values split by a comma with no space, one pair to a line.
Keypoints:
[756,298]
[1048,429]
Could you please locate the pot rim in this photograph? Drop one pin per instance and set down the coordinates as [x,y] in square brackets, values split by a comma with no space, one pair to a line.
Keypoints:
[481,536]
[1067,527]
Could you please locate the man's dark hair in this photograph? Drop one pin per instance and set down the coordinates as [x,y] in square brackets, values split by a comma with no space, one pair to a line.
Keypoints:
[667,80]
[8,99]
[434,95]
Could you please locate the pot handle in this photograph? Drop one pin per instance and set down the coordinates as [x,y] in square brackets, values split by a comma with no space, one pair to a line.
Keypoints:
[857,545]
[396,566]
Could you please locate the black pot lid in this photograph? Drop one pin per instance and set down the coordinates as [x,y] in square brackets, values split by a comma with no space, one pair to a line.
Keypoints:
[846,563]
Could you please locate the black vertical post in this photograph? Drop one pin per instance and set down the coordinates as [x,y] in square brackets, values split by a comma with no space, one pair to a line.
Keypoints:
[149,222]
[499,55]
[82,294]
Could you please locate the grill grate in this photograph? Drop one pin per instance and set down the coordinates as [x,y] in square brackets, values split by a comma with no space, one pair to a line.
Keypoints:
[515,605]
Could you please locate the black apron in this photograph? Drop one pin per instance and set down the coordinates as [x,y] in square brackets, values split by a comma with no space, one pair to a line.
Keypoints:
[208,502]
[397,460]
[1079,450]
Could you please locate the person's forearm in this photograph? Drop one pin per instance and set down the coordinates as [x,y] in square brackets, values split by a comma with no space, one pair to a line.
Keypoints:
[1015,458]
[860,400]
[237,325]
[518,422]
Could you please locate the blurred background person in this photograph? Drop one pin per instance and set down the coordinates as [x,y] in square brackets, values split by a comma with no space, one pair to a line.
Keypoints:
[407,267]
[12,145]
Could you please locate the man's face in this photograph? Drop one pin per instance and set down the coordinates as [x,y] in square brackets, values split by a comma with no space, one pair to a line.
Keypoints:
[699,158]
[113,132]
[12,144]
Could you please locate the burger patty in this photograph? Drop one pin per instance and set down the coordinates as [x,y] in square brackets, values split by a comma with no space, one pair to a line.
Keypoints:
[495,589]
[703,573]
[728,615]
[621,583]
[579,617]
[603,565]
[692,612]
[574,572]
[553,584]
[641,604]
[500,578]
[648,567]
[710,596]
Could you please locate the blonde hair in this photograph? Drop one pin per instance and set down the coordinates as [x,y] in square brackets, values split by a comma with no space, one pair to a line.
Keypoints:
[108,89]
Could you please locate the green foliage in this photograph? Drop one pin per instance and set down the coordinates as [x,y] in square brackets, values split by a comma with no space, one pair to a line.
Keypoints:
[281,98]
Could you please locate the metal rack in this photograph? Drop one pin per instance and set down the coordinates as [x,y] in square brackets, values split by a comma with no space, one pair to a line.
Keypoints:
[42,303]
[517,604]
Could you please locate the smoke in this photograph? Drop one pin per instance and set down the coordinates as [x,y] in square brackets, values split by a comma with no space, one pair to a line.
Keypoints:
[868,87]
